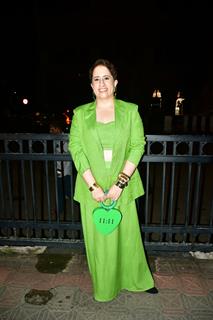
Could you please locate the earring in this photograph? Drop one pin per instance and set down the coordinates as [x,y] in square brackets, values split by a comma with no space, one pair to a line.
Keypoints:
[94,96]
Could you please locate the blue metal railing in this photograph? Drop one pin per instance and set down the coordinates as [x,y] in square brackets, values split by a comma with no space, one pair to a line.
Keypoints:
[176,211]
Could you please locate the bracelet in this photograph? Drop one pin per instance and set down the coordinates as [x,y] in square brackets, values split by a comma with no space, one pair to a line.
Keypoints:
[123,180]
[120,185]
[124,176]
[93,186]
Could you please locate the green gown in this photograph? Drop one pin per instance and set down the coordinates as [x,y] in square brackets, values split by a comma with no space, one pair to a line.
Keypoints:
[116,261]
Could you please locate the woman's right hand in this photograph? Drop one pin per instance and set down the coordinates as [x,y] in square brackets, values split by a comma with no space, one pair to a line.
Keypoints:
[98,195]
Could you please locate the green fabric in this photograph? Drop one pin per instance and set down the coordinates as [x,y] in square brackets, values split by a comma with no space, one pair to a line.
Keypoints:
[116,261]
[86,151]
[106,132]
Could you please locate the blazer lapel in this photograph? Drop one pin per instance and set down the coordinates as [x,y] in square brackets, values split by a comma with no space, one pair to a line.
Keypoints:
[119,118]
[90,120]
[119,128]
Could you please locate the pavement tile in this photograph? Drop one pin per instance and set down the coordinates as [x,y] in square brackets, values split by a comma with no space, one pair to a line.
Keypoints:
[201,315]
[115,309]
[66,298]
[28,264]
[172,302]
[206,266]
[66,280]
[185,292]
[12,296]
[34,280]
[192,284]
[198,303]
[148,315]
[208,283]
[76,269]
[164,266]
[2,289]
[4,272]
[25,312]
[166,282]
[8,261]
[143,306]
[86,284]
[77,266]
[141,299]
[177,317]
[185,266]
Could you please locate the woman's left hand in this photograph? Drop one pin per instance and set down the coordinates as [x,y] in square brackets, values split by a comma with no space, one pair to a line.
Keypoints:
[114,193]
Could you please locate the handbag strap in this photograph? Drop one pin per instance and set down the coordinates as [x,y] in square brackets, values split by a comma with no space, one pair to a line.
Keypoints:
[110,206]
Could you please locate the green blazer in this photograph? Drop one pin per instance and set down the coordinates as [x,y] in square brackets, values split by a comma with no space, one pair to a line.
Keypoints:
[86,149]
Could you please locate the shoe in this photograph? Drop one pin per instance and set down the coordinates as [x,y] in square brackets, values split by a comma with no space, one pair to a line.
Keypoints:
[152,290]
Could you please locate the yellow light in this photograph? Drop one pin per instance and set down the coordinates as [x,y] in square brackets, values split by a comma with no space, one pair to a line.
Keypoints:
[68,121]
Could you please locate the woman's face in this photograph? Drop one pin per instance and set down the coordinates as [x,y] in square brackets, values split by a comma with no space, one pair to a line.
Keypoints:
[103,84]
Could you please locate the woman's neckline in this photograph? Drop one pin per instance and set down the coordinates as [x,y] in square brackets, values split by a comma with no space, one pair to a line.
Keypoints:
[108,118]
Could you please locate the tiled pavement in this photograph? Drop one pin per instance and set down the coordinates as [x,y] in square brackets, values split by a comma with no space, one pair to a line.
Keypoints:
[185,291]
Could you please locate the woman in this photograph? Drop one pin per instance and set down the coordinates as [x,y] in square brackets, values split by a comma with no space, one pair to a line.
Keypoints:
[106,144]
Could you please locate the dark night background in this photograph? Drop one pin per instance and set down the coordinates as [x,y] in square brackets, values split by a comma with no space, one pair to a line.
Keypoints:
[47,48]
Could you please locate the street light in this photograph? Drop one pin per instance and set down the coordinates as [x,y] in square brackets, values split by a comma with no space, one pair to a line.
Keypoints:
[25,101]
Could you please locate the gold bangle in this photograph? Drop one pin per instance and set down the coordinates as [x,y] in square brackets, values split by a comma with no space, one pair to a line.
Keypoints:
[93,186]
[122,180]
[125,175]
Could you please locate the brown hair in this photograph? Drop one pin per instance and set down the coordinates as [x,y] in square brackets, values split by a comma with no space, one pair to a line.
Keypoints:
[103,62]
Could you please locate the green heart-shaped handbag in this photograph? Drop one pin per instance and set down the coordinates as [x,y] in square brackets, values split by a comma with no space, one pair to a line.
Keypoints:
[106,217]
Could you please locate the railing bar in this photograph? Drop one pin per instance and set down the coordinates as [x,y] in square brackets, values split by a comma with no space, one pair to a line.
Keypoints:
[24,189]
[151,228]
[188,191]
[187,198]
[198,188]
[197,195]
[46,172]
[211,221]
[72,192]
[163,199]
[2,201]
[149,137]
[171,197]
[56,191]
[147,192]
[146,158]
[9,180]
[33,191]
